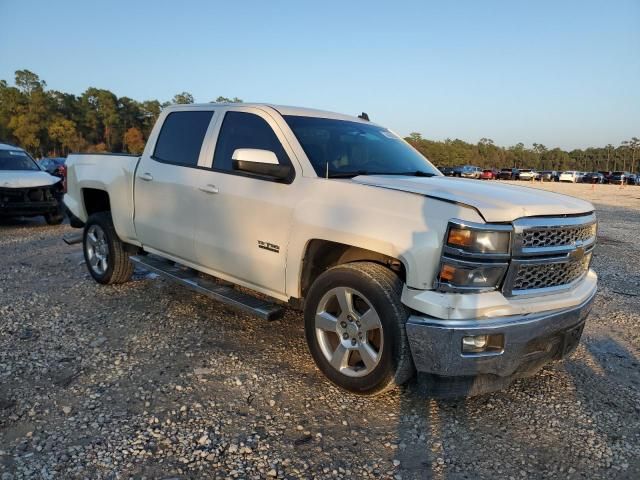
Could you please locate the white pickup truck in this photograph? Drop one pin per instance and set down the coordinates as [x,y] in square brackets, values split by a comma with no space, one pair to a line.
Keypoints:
[397,268]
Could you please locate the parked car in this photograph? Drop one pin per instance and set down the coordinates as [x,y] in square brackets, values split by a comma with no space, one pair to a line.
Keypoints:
[489,174]
[26,190]
[593,177]
[509,174]
[549,176]
[469,171]
[606,174]
[55,166]
[569,176]
[621,178]
[447,171]
[396,268]
[528,174]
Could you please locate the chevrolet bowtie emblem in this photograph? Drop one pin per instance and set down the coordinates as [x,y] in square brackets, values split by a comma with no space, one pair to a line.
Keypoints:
[577,254]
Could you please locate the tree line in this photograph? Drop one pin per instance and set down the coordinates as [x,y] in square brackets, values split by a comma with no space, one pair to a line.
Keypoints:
[48,122]
[51,123]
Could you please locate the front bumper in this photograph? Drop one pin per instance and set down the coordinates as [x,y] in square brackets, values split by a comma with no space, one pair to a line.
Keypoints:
[26,209]
[530,341]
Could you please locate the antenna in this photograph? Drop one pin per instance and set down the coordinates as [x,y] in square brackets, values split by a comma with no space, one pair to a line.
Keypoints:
[364,116]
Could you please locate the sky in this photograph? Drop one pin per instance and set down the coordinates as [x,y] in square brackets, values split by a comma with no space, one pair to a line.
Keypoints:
[561,73]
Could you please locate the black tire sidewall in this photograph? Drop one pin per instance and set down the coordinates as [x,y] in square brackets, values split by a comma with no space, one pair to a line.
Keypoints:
[380,377]
[104,222]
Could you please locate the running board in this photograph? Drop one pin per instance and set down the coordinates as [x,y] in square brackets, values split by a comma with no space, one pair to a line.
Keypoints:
[207,286]
[72,238]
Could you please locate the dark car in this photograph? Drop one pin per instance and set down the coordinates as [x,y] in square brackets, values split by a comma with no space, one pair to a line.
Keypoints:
[549,176]
[606,174]
[593,177]
[447,171]
[56,166]
[622,178]
[509,174]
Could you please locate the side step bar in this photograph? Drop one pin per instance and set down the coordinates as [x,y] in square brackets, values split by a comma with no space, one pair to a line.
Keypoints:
[72,238]
[208,286]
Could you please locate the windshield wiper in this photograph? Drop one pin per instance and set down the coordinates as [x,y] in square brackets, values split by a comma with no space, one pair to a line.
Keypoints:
[416,173]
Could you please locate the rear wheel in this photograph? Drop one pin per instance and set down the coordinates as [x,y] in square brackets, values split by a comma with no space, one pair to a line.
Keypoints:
[105,254]
[355,328]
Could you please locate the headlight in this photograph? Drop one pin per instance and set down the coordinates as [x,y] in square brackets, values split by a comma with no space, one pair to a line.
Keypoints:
[479,240]
[475,257]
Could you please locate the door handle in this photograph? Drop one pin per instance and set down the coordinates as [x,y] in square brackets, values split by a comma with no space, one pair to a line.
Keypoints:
[146,176]
[209,189]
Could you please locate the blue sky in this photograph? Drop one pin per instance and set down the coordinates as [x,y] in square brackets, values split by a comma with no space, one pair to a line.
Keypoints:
[561,73]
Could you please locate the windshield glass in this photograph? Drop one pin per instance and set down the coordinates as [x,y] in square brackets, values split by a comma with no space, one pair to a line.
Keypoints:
[347,149]
[17,160]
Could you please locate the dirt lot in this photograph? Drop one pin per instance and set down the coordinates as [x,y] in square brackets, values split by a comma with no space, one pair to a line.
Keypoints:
[149,380]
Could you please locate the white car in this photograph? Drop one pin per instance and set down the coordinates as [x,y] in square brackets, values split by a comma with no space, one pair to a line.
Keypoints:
[395,267]
[569,176]
[528,174]
[26,190]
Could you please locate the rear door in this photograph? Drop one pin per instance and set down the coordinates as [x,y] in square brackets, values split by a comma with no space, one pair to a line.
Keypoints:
[244,221]
[167,181]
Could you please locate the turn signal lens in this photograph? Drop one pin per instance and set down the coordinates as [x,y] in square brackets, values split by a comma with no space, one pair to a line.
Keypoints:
[459,237]
[472,276]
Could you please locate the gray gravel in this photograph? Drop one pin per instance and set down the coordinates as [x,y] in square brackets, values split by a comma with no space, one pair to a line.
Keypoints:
[146,380]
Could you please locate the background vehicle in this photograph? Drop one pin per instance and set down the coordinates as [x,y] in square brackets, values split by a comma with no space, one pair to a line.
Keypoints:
[447,171]
[56,166]
[396,268]
[489,174]
[25,189]
[549,176]
[528,174]
[569,176]
[469,171]
[606,174]
[509,174]
[621,178]
[593,177]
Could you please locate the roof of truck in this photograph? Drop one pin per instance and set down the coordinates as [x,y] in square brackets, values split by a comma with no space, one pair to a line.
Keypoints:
[282,109]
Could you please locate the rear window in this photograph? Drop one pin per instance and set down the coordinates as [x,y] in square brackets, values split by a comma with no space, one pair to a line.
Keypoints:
[181,137]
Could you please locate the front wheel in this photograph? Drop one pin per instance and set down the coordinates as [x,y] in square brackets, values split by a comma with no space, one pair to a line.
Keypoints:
[355,328]
[105,255]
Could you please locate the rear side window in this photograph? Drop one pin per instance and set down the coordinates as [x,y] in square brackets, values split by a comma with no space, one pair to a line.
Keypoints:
[245,130]
[181,137]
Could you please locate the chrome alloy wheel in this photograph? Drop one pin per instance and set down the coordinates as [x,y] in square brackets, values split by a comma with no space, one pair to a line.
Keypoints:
[349,332]
[97,249]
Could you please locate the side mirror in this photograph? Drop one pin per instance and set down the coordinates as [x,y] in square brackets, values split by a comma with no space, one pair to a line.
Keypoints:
[260,162]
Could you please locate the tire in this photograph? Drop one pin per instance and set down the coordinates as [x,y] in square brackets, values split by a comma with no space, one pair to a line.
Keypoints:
[104,253]
[54,218]
[370,288]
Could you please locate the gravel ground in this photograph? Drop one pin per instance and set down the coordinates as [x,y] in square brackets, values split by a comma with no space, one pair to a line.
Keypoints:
[146,380]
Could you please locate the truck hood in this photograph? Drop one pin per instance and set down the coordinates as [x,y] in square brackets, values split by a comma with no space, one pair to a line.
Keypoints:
[26,179]
[496,202]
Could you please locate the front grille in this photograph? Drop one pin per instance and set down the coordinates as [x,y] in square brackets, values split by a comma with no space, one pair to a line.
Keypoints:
[548,275]
[554,237]
[549,254]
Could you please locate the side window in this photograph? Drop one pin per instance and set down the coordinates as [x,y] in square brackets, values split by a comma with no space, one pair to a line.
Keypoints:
[245,130]
[181,137]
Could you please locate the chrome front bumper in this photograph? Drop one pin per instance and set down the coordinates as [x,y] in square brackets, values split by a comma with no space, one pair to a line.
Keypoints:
[530,341]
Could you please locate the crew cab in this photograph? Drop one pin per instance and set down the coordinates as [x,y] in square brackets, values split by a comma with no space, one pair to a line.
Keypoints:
[396,268]
[26,190]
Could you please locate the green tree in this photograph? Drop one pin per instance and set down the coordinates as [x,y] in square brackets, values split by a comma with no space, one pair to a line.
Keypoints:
[134,141]
[182,98]
[227,100]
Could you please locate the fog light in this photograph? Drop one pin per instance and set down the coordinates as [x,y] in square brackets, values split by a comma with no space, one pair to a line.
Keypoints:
[483,343]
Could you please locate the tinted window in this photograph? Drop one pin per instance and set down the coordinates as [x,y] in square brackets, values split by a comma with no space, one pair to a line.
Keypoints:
[181,137]
[16,160]
[342,148]
[245,130]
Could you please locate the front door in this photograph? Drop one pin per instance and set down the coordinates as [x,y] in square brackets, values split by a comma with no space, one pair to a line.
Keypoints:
[244,221]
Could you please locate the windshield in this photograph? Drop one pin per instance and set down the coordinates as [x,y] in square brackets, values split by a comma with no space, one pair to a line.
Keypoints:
[17,160]
[340,148]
